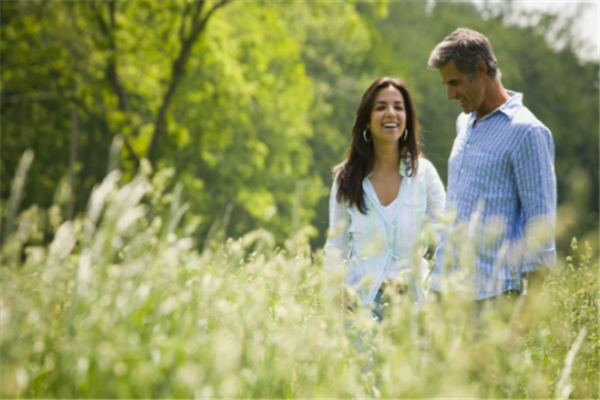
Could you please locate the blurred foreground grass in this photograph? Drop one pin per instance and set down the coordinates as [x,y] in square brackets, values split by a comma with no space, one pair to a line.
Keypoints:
[122,305]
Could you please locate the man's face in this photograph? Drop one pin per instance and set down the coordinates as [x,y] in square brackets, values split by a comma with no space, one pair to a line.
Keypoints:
[468,92]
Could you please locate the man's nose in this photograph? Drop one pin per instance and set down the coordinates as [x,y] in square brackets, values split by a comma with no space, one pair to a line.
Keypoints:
[451,93]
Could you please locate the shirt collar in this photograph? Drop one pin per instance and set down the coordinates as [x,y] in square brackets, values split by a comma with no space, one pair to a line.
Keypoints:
[509,108]
[514,102]
[403,168]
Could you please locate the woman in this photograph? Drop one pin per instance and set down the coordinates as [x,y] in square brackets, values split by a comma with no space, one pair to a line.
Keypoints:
[382,196]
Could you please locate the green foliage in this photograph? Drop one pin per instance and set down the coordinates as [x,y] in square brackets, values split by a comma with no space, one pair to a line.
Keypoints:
[253,151]
[121,305]
[262,106]
[572,311]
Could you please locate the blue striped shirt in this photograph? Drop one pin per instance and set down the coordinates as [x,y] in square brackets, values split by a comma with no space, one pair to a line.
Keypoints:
[502,196]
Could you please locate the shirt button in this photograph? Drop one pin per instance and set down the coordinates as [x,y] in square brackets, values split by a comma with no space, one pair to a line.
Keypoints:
[462,170]
[468,146]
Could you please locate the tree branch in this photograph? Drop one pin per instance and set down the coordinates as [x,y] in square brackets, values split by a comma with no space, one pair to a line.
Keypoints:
[182,26]
[111,67]
[197,11]
[111,13]
[210,13]
[100,19]
[112,73]
[178,68]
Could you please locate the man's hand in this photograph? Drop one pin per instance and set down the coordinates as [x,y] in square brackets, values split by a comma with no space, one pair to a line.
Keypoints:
[535,280]
[533,304]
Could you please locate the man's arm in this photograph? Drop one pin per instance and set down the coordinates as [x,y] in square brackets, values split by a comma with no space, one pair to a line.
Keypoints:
[536,184]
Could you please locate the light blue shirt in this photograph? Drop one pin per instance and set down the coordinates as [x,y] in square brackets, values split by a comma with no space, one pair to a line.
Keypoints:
[502,189]
[369,246]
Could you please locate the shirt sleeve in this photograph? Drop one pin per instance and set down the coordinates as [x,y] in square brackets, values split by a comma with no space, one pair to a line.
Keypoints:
[436,200]
[336,246]
[536,185]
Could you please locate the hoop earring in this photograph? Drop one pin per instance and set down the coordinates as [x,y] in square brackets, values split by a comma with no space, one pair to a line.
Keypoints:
[365,136]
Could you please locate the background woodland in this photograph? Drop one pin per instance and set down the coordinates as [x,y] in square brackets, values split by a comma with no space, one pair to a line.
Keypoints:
[248,104]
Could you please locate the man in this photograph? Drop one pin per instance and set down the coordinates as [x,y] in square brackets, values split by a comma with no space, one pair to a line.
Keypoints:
[501,181]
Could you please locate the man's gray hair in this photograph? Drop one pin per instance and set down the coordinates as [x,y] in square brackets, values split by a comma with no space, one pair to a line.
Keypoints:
[465,47]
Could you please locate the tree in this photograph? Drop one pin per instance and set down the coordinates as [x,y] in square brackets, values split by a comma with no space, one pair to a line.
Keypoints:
[250,104]
[45,46]
[235,133]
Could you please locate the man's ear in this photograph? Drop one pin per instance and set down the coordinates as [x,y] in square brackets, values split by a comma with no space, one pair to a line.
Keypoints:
[480,68]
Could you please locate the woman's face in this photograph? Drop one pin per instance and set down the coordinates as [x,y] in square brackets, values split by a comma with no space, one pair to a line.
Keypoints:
[388,116]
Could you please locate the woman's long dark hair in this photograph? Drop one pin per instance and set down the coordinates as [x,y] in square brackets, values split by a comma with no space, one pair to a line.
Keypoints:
[361,155]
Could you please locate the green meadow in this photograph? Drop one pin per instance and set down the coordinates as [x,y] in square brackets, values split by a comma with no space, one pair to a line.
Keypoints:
[164,181]
[122,305]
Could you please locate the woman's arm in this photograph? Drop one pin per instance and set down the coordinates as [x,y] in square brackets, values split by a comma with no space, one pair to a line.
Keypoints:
[336,247]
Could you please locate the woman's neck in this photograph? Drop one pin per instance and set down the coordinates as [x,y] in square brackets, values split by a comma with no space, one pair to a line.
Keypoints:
[387,158]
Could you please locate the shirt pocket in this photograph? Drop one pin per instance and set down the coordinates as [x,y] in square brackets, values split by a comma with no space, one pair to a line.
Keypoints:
[491,175]
[356,229]
[410,222]
[356,222]
[367,236]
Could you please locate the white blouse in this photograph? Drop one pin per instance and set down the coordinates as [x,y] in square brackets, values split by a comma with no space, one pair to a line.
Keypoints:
[382,243]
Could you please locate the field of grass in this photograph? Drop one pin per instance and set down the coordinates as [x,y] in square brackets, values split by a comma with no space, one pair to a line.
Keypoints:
[122,304]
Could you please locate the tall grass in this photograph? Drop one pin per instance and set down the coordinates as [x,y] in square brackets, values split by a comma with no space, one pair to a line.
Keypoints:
[121,304]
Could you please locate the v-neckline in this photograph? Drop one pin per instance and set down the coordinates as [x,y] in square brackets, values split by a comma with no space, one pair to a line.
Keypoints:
[392,203]
[377,195]
[372,194]
[369,189]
